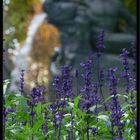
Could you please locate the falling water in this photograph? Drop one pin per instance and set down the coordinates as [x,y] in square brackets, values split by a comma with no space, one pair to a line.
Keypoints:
[20,58]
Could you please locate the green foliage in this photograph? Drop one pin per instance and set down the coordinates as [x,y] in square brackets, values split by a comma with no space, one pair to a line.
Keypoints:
[131,5]
[20,19]
[15,128]
[18,16]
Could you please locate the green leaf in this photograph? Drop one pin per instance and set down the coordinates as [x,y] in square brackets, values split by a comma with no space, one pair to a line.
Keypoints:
[71,104]
[68,114]
[76,101]
[93,107]
[20,99]
[122,95]
[21,136]
[105,118]
[46,105]
[9,99]
[50,132]
[27,130]
[107,99]
[38,109]
[37,125]
[125,106]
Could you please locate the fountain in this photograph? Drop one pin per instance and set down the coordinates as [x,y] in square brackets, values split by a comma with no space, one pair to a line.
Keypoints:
[20,58]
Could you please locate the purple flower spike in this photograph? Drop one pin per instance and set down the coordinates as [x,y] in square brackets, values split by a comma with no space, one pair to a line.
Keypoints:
[116,113]
[76,73]
[66,82]
[134,54]
[101,40]
[87,104]
[94,131]
[36,96]
[87,78]
[126,74]
[32,113]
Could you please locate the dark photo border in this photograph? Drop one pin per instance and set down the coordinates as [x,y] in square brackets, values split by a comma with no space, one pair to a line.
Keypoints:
[138,70]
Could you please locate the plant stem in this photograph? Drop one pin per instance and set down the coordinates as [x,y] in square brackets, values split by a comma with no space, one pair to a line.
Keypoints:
[3,126]
[83,133]
[99,80]
[77,85]
[32,121]
[87,125]
[59,132]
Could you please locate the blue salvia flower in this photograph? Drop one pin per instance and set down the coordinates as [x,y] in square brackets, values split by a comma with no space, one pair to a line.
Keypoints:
[94,131]
[134,83]
[76,73]
[116,113]
[57,87]
[100,47]
[77,77]
[45,125]
[22,82]
[100,44]
[94,97]
[58,118]
[36,96]
[86,90]
[101,72]
[101,37]
[63,90]
[45,128]
[134,54]
[7,111]
[126,73]
[54,110]
[66,82]
[87,75]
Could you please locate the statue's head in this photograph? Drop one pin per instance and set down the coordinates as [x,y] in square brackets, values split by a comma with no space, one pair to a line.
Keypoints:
[60,12]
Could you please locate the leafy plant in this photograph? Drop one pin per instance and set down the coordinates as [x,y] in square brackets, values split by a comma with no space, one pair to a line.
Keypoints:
[73,116]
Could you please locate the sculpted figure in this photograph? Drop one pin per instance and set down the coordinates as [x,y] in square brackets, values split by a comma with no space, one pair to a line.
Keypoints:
[80,22]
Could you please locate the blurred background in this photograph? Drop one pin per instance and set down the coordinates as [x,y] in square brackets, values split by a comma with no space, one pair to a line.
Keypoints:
[42,35]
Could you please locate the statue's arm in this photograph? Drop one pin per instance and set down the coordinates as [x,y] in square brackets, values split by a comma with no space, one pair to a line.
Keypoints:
[116,41]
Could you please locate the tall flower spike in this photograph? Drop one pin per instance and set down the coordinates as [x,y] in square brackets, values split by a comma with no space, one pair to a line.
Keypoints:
[134,54]
[116,113]
[77,77]
[100,46]
[101,77]
[87,78]
[57,87]
[86,90]
[36,96]
[126,73]
[67,82]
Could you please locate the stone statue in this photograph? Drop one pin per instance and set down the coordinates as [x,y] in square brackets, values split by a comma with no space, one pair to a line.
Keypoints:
[80,22]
